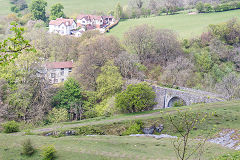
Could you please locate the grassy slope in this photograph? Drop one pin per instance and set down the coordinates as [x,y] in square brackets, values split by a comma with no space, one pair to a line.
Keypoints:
[226,116]
[185,25]
[4,7]
[75,7]
[99,147]
[123,147]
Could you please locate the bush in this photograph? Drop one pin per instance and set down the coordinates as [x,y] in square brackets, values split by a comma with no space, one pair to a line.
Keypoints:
[49,152]
[27,149]
[136,98]
[11,127]
[89,130]
[232,156]
[58,115]
[135,128]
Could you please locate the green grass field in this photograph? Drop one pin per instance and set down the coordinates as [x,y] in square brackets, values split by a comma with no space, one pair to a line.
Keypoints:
[226,115]
[185,25]
[75,7]
[4,7]
[98,148]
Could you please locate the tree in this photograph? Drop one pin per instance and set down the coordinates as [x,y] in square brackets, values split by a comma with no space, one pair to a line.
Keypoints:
[70,97]
[204,61]
[136,3]
[38,9]
[109,81]
[230,86]
[184,123]
[13,46]
[136,98]
[57,11]
[178,72]
[172,5]
[93,54]
[118,11]
[139,40]
[26,95]
[200,7]
[130,66]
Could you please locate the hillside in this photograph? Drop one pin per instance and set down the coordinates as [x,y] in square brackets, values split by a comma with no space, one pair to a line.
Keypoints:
[4,7]
[122,147]
[75,7]
[185,25]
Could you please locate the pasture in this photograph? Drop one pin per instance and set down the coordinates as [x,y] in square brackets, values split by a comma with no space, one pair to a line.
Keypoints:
[186,26]
[4,7]
[74,7]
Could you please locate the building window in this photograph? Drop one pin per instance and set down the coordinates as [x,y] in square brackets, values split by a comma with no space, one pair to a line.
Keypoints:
[55,80]
[70,70]
[62,73]
[53,75]
[62,80]
[83,21]
[50,81]
[62,69]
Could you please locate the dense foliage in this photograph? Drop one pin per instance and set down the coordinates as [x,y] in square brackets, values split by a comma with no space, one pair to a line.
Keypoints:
[11,127]
[136,98]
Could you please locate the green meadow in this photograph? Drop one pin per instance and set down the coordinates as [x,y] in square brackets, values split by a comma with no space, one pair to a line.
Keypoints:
[74,7]
[106,147]
[4,7]
[186,26]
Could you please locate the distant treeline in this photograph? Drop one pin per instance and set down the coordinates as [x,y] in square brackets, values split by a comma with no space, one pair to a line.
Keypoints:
[207,7]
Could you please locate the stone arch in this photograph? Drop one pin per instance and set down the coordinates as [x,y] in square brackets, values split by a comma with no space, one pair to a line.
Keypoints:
[174,100]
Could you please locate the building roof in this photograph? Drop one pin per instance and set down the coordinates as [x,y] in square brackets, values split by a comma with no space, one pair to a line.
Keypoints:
[89,17]
[59,21]
[58,65]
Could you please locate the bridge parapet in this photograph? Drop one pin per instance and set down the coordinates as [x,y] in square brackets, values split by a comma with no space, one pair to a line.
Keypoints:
[165,97]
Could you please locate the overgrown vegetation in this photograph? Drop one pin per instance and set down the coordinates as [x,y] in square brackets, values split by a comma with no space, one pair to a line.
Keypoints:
[10,127]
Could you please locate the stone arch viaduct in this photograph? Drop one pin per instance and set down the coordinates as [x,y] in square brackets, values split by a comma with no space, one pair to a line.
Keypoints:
[165,97]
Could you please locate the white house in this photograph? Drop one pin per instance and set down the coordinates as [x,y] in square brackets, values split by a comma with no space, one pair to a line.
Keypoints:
[62,26]
[94,20]
[58,72]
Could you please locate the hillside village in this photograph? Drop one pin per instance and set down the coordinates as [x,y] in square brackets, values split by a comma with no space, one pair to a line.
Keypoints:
[83,23]
[127,80]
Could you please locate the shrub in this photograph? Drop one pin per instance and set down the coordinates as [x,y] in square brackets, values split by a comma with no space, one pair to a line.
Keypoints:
[49,152]
[135,128]
[136,98]
[89,130]
[11,127]
[27,149]
[58,115]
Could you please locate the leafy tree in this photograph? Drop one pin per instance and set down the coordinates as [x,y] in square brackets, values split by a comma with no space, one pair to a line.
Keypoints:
[200,7]
[11,47]
[57,11]
[136,98]
[38,9]
[118,11]
[70,94]
[204,62]
[109,81]
[58,115]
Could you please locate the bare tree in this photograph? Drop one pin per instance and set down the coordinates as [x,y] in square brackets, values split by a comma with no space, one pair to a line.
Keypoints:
[184,123]
[178,72]
[129,66]
[136,3]
[230,86]
[172,5]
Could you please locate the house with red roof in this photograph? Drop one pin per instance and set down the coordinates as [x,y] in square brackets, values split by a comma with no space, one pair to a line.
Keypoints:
[62,26]
[58,72]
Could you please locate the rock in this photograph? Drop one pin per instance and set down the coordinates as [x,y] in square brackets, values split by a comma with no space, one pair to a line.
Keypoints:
[154,136]
[159,128]
[148,130]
